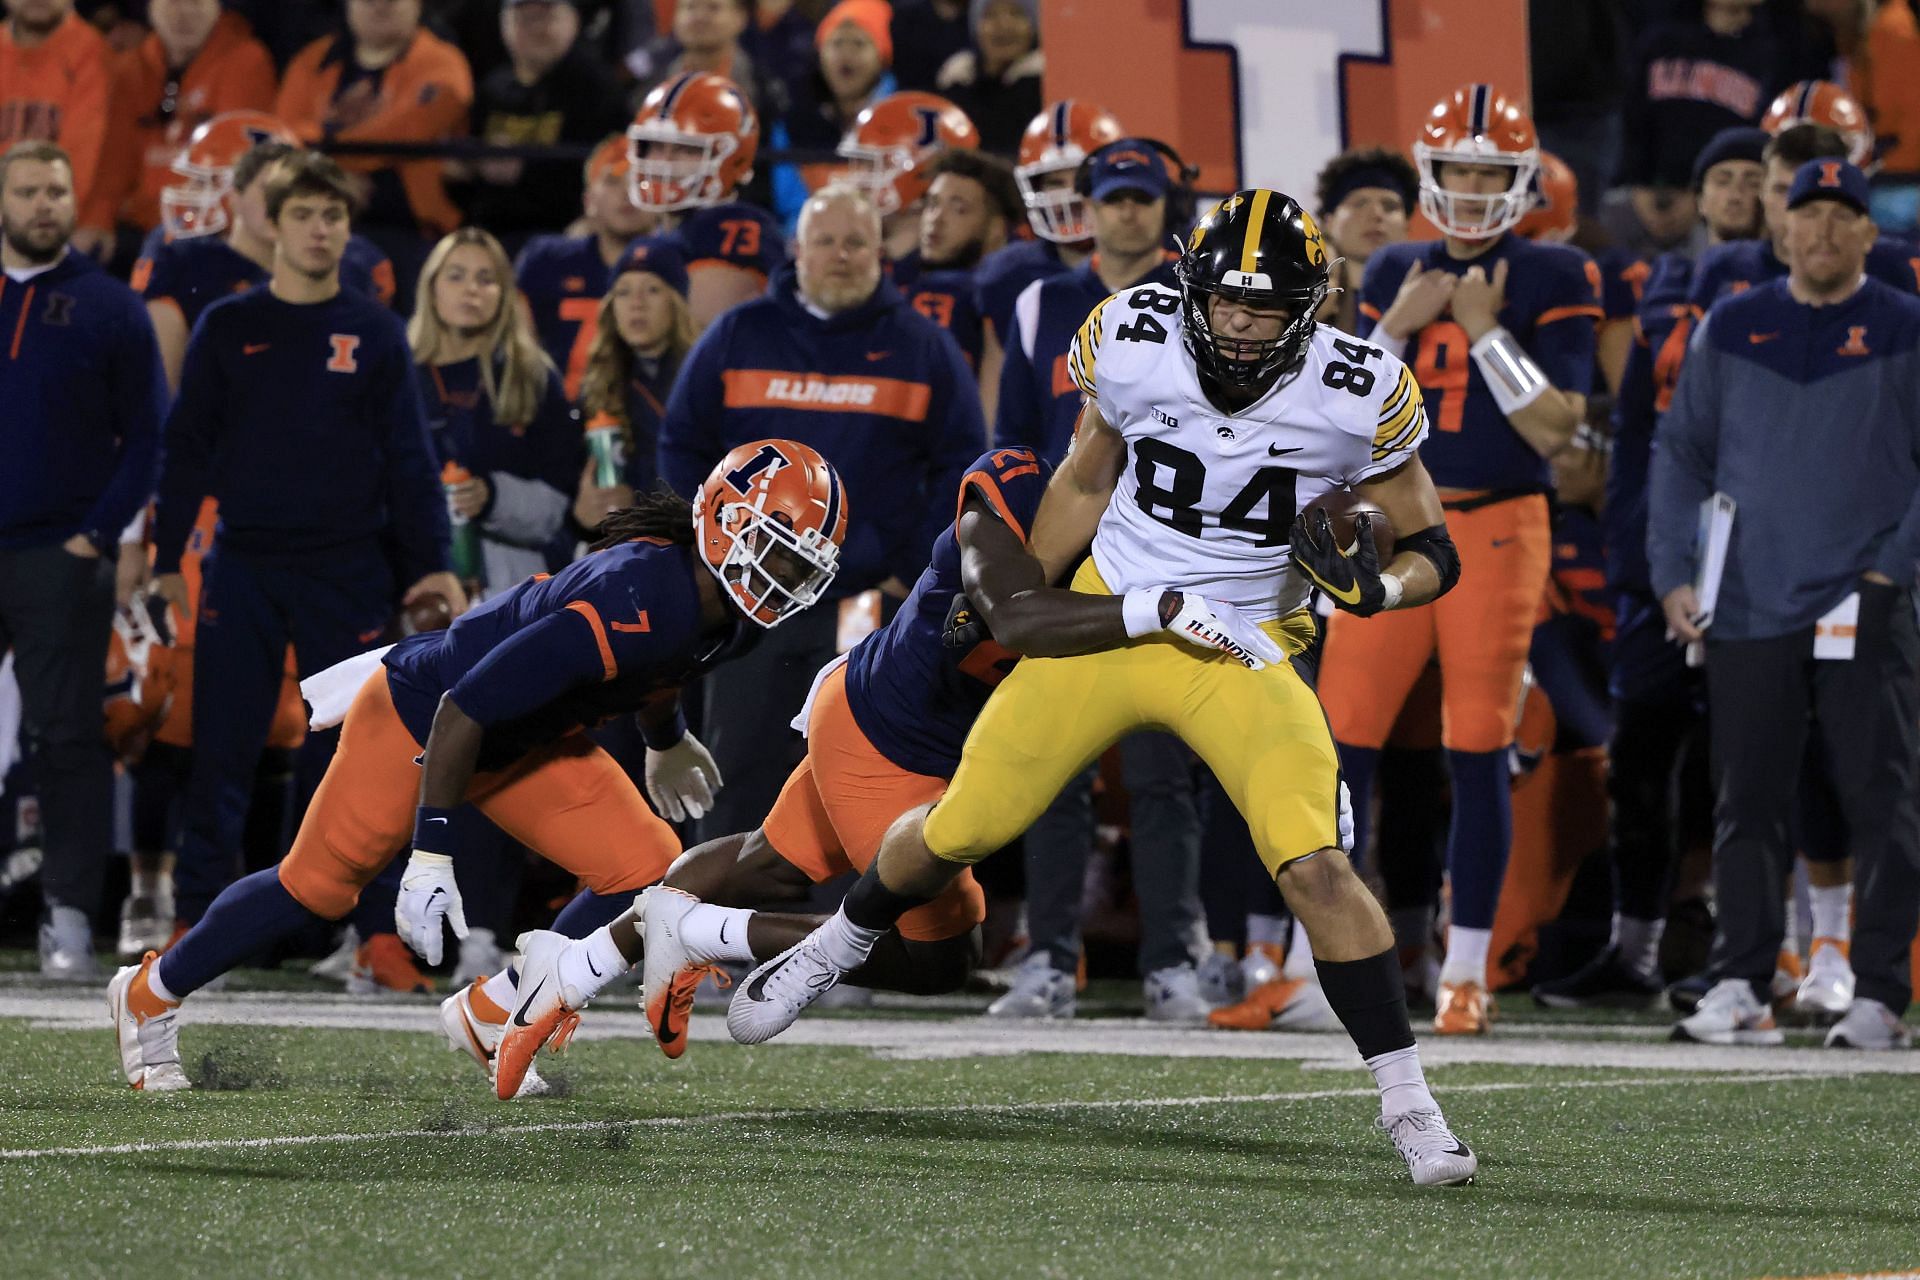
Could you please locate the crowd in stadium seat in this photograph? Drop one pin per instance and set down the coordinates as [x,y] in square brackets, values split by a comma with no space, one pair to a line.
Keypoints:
[581,332]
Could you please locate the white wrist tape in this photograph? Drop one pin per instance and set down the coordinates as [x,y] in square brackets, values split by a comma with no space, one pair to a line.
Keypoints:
[1395,347]
[1391,589]
[1511,375]
[1140,609]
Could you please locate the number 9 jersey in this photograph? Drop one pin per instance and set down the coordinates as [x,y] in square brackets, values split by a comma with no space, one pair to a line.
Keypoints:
[1207,499]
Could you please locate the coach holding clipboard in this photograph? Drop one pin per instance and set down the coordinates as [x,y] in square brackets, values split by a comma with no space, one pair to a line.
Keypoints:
[1801,401]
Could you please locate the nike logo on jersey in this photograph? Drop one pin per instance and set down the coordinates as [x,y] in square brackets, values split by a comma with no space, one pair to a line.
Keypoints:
[254,348]
[1275,451]
[878,355]
[1757,338]
[436,819]
[520,1014]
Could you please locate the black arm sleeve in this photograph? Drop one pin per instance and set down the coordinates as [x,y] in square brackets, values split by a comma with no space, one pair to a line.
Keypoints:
[1434,543]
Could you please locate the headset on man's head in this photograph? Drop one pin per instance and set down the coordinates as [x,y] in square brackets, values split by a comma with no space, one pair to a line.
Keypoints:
[1180,200]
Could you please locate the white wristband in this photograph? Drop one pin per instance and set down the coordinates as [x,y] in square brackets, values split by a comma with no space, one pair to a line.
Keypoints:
[1512,377]
[1140,609]
[1395,347]
[1391,589]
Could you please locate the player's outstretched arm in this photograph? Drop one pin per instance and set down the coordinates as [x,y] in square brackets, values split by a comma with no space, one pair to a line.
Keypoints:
[1078,494]
[1006,595]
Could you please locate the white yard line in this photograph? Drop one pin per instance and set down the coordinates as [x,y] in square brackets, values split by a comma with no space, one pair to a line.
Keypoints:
[790,1113]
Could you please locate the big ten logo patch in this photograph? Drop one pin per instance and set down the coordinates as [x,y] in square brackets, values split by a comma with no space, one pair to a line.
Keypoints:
[343,358]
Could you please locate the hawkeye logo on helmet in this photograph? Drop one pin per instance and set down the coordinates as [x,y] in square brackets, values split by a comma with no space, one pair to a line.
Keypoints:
[1316,243]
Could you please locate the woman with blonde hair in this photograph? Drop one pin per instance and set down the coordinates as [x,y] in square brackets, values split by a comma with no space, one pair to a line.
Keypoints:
[644,331]
[508,444]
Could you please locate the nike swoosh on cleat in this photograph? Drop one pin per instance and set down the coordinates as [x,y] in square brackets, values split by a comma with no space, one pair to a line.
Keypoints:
[757,988]
[520,1014]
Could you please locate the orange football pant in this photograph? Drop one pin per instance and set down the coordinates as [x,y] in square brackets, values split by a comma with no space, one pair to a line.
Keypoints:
[568,801]
[1480,630]
[838,803]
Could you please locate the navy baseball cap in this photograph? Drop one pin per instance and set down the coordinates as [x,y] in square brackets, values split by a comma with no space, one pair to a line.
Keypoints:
[658,256]
[1828,179]
[1129,165]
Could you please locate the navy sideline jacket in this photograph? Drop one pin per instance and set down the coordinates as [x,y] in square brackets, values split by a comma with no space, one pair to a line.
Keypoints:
[304,421]
[81,394]
[879,390]
[1809,418]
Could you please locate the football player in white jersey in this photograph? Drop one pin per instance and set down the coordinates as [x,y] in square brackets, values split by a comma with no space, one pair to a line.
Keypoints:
[1213,414]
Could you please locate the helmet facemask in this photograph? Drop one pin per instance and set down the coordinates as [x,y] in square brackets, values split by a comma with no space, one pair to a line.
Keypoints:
[1255,364]
[1468,216]
[687,176]
[769,571]
[1057,213]
[878,172]
[198,206]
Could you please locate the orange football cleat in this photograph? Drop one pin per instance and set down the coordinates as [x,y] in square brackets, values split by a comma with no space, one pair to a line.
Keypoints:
[383,963]
[669,1018]
[1465,1009]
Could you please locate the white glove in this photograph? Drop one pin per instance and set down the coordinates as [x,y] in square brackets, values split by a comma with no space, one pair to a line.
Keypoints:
[429,897]
[682,780]
[1213,624]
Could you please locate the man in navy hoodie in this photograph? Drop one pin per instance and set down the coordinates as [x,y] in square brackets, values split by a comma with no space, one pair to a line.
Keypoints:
[80,376]
[834,357]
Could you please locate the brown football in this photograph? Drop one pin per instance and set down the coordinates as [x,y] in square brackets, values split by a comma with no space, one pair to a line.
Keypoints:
[430,612]
[1341,506]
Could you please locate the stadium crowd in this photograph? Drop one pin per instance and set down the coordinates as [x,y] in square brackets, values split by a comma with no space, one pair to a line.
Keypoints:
[1641,754]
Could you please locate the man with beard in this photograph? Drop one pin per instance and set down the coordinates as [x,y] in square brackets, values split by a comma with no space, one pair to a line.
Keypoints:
[972,205]
[81,378]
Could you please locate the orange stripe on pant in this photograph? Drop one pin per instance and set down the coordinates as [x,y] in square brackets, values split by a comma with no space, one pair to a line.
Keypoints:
[837,805]
[1481,631]
[568,801]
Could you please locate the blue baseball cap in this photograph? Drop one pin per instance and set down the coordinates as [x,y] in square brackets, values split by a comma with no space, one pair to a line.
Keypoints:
[1829,179]
[658,256]
[1129,165]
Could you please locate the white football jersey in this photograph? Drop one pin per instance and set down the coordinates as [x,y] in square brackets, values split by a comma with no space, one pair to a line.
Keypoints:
[1207,500]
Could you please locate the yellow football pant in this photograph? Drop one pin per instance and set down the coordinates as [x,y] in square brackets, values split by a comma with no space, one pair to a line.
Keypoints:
[1261,732]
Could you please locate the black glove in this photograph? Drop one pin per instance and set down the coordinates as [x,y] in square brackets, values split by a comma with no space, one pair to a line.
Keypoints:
[1352,578]
[964,627]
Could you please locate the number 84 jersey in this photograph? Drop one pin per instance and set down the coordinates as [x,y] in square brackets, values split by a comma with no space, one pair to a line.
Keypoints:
[1207,499]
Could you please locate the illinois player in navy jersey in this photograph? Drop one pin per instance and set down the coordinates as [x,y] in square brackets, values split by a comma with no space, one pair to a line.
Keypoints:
[563,278]
[1555,216]
[298,414]
[970,208]
[1499,332]
[215,239]
[494,712]
[691,148]
[1058,213]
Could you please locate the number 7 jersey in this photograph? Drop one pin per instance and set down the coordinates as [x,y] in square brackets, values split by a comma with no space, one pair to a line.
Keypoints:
[1206,501]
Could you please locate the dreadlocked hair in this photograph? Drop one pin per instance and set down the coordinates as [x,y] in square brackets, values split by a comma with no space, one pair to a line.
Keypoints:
[660,514]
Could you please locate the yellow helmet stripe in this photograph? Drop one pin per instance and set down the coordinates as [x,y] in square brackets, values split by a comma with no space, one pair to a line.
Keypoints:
[1256,219]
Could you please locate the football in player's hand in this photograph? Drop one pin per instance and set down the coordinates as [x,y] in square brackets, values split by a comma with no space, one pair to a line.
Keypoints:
[430,612]
[1341,506]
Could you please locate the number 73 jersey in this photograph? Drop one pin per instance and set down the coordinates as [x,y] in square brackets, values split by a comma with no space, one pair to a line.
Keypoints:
[1207,499]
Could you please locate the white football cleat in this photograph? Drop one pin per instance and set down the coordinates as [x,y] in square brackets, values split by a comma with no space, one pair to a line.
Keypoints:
[1869,1025]
[479,1039]
[1221,979]
[1434,1156]
[1039,991]
[779,991]
[147,1032]
[1730,1014]
[1172,994]
[1826,992]
[545,1017]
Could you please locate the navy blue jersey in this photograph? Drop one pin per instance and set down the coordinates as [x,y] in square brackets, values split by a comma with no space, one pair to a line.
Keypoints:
[196,272]
[1659,329]
[910,694]
[563,279]
[563,652]
[731,235]
[946,296]
[461,424]
[304,423]
[1552,306]
[1623,282]
[877,389]
[1004,275]
[1039,402]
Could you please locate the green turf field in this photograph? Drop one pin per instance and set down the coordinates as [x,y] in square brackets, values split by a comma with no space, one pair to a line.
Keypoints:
[933,1151]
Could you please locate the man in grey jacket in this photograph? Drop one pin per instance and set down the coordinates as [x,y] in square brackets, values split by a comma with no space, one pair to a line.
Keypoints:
[1800,400]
